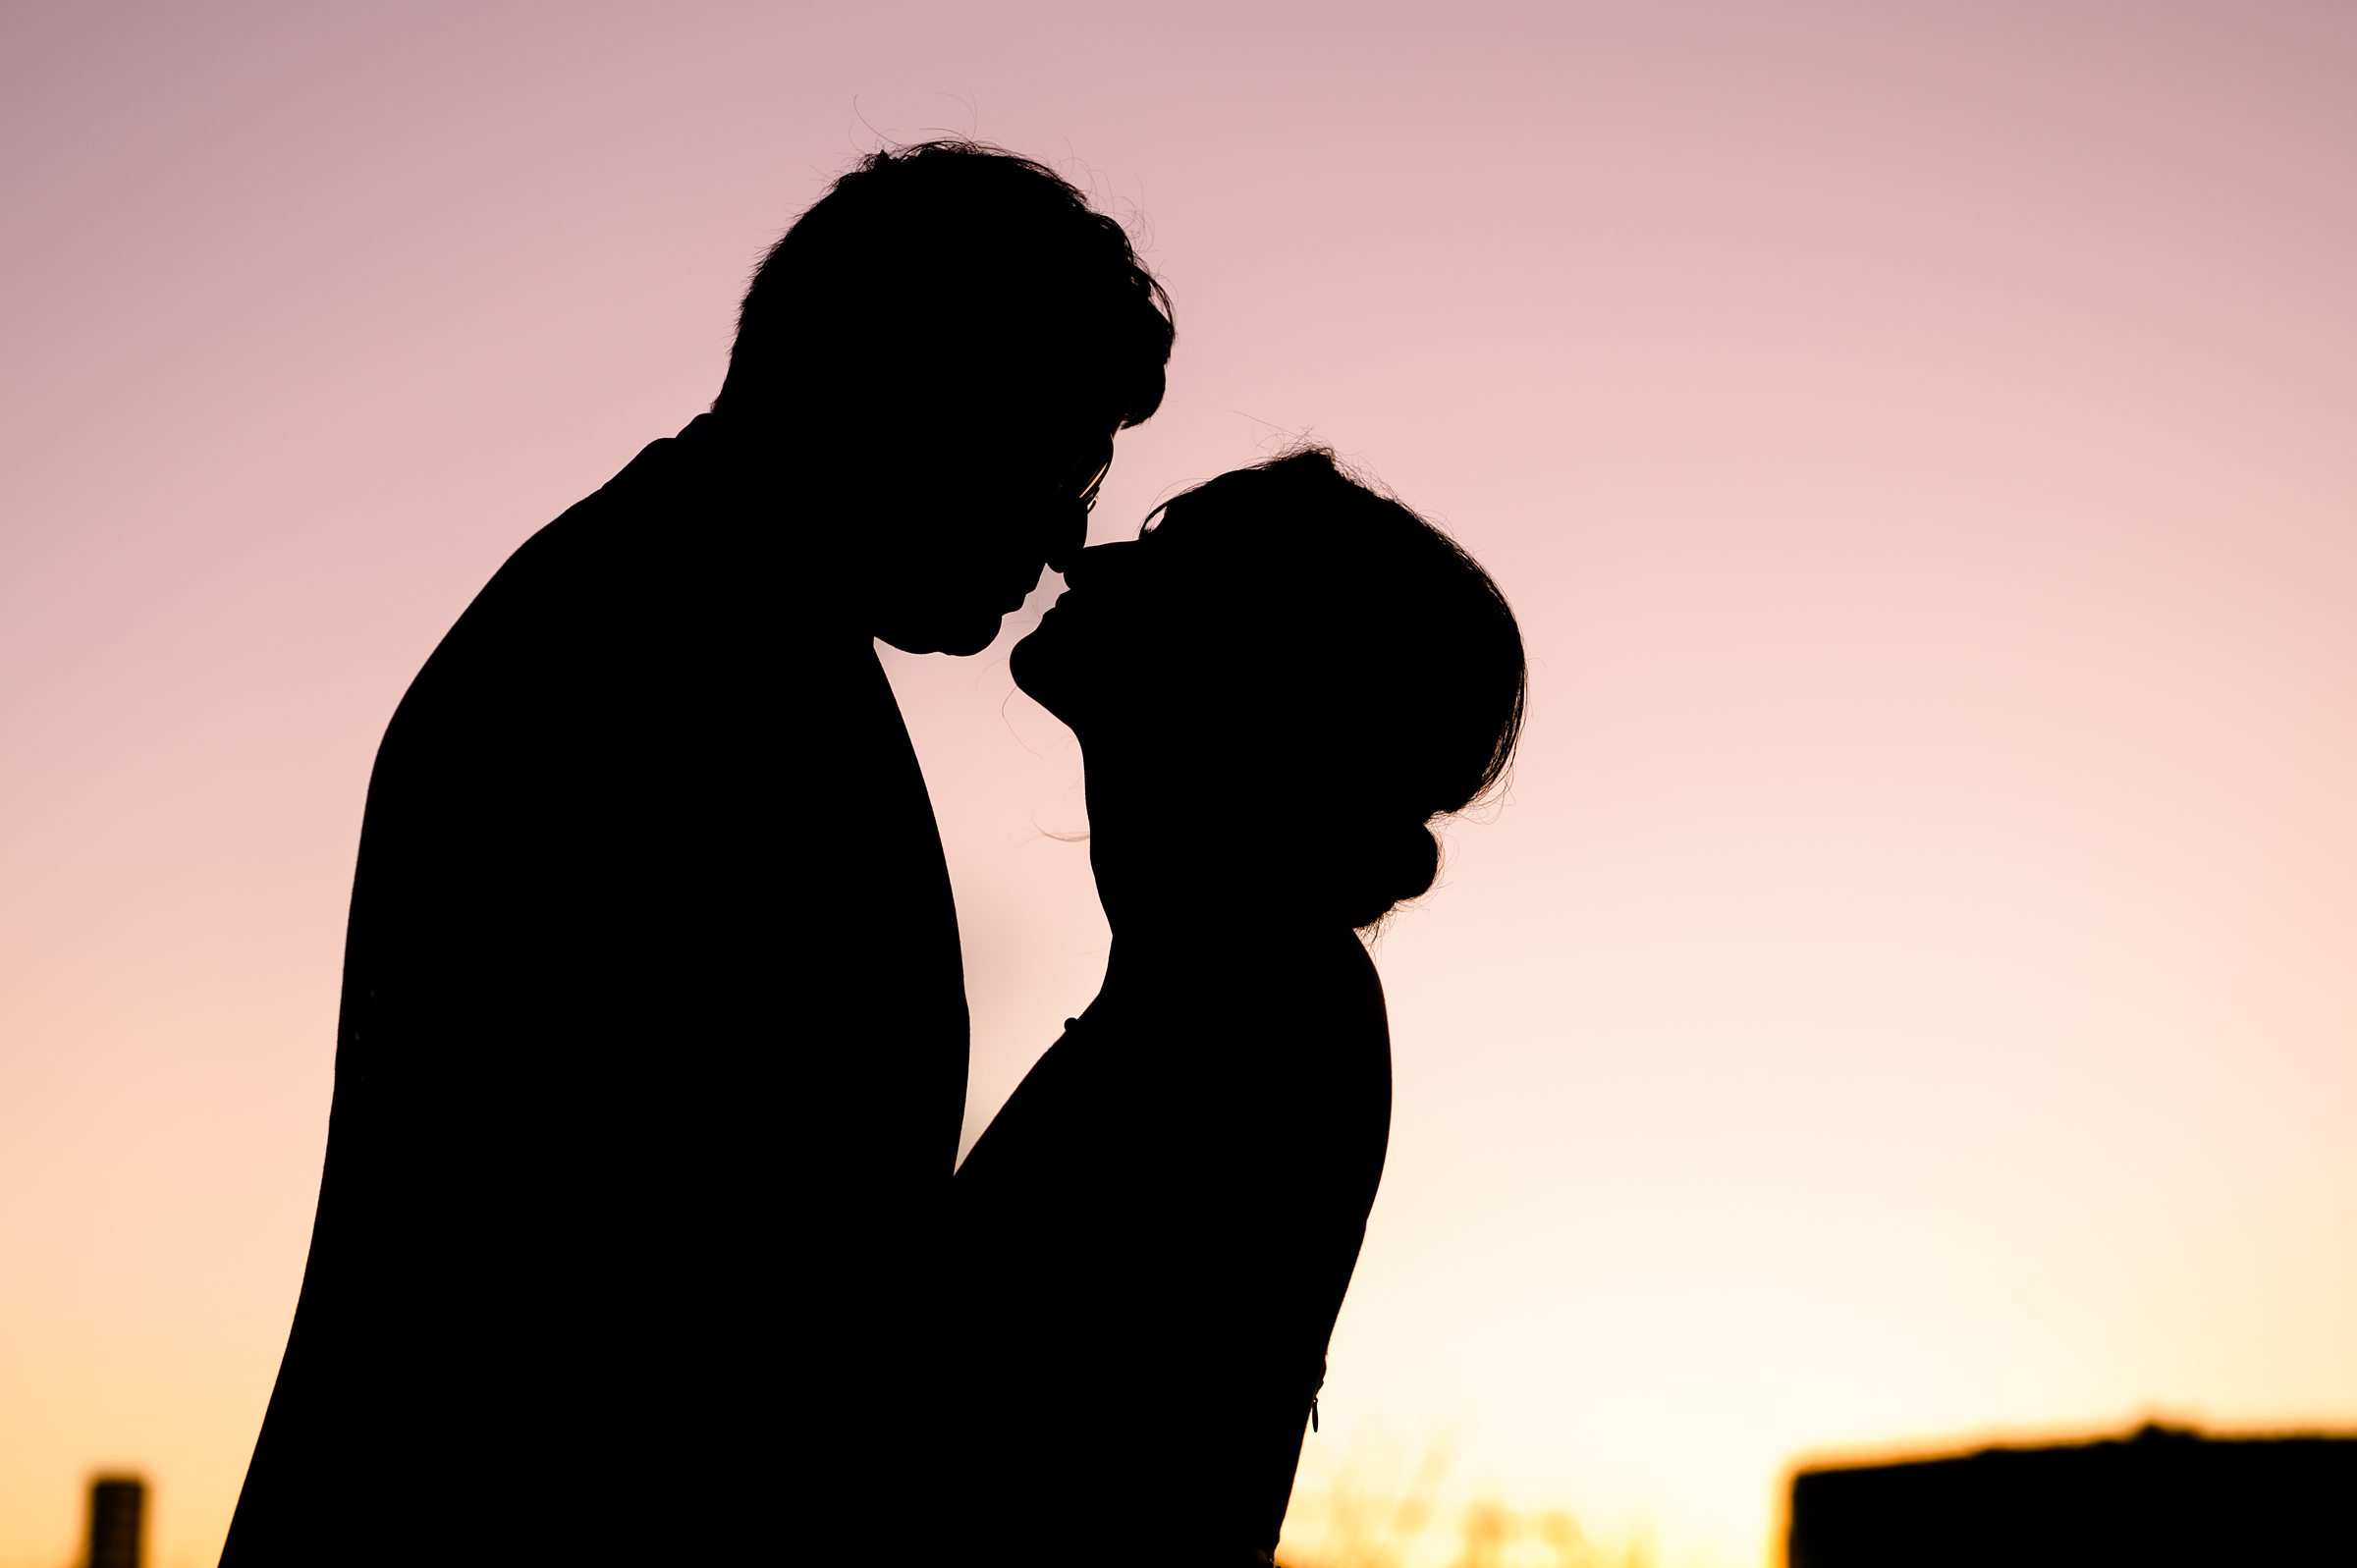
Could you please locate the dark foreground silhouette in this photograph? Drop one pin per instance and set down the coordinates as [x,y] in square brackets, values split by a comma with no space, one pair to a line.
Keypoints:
[1275,691]
[2162,1498]
[651,1058]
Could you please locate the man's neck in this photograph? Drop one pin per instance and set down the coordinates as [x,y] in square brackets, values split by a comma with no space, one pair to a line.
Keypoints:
[777,486]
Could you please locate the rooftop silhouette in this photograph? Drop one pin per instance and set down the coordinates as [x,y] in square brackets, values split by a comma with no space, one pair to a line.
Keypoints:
[2159,1497]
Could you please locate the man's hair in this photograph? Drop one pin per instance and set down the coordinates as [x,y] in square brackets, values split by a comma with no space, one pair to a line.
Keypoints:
[955,256]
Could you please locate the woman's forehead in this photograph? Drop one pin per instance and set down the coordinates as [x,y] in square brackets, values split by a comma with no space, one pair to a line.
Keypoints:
[1232,515]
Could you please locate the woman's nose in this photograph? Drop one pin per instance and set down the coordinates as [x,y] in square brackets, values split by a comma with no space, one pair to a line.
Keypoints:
[1098,563]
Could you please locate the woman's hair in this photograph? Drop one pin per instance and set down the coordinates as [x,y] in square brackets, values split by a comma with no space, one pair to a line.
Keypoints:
[1410,666]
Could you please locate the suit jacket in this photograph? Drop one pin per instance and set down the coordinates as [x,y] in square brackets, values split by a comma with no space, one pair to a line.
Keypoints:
[649,1071]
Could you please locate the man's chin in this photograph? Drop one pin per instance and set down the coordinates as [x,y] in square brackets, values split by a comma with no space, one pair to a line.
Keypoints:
[959,636]
[1038,673]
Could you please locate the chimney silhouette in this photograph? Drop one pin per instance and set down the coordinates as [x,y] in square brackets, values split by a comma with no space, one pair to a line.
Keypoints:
[118,1522]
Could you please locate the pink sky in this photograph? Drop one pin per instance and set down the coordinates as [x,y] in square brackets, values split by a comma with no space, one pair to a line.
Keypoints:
[1909,993]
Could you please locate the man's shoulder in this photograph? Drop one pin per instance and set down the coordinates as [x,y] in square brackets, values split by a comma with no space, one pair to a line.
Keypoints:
[621,541]
[663,600]
[688,543]
[659,559]
[564,608]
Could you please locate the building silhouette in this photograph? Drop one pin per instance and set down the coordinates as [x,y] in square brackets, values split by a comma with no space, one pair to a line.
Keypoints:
[2160,1498]
[118,1522]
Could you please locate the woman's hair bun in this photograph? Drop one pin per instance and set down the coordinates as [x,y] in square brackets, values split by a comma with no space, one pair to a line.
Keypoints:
[1389,865]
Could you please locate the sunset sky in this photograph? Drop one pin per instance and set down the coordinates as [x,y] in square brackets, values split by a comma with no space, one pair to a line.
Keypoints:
[1910,993]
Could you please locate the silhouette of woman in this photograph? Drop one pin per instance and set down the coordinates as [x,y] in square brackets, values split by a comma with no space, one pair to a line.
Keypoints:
[1154,1236]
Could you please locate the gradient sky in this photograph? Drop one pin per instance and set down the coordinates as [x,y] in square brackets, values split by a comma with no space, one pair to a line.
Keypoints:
[1911,991]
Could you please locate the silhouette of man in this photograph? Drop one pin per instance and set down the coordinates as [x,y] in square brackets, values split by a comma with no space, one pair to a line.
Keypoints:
[652,1053]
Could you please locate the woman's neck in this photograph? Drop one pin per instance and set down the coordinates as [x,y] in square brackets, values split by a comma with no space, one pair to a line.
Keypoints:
[1182,903]
[1150,849]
